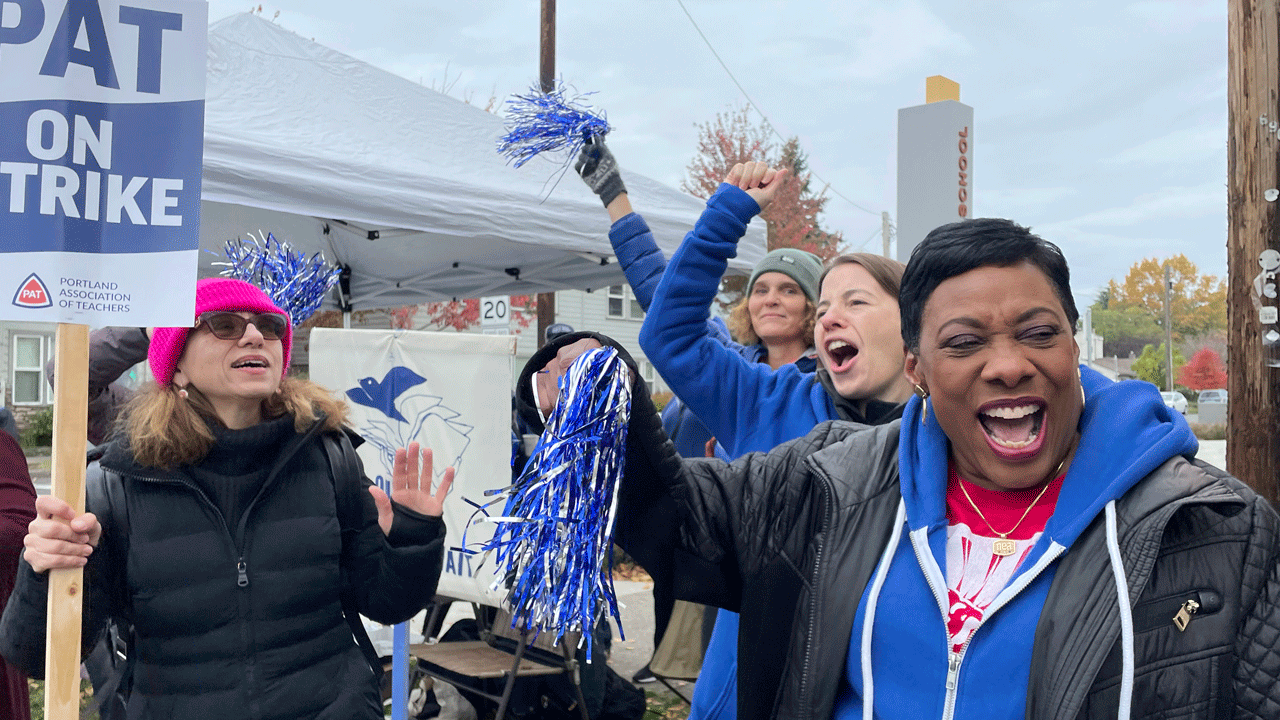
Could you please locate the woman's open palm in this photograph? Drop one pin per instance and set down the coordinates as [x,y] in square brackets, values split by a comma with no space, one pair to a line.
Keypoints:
[411,486]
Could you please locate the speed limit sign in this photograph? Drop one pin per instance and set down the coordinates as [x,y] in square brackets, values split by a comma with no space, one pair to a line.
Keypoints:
[495,315]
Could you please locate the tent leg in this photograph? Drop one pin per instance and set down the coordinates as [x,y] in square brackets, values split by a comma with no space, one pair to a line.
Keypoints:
[346,320]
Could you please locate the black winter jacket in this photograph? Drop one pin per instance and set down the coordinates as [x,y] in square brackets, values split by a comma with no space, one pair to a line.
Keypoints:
[796,534]
[243,621]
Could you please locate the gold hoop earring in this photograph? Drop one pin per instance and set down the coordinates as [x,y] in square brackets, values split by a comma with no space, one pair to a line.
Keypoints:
[1080,380]
[924,403]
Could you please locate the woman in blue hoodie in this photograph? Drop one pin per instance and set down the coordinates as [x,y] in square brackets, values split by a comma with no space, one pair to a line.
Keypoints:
[749,406]
[1030,540]
[775,321]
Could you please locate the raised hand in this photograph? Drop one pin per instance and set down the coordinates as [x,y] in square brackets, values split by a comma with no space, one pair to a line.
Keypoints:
[599,170]
[759,181]
[411,487]
[58,538]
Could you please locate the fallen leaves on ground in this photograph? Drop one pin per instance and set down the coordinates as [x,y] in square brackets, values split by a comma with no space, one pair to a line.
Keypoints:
[630,571]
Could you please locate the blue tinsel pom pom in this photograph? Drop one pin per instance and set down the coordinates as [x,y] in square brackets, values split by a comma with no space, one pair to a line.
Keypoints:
[539,122]
[554,540]
[294,282]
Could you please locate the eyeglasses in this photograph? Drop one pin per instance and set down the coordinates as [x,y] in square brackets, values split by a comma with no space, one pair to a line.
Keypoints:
[230,326]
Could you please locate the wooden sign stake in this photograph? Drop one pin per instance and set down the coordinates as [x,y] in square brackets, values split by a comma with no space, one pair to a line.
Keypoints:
[66,587]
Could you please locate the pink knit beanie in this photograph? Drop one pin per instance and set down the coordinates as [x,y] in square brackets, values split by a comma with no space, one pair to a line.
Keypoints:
[212,294]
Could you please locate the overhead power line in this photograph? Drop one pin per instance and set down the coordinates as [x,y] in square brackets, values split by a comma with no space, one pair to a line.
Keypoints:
[756,107]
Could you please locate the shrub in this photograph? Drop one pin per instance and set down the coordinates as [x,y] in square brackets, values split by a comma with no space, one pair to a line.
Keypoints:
[660,399]
[39,430]
[1209,432]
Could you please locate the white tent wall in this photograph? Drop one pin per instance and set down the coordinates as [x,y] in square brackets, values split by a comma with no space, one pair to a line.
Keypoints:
[409,183]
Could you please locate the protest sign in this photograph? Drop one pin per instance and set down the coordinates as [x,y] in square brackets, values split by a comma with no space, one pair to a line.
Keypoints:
[100,167]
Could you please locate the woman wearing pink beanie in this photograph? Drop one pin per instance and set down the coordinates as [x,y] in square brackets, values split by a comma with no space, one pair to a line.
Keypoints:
[231,532]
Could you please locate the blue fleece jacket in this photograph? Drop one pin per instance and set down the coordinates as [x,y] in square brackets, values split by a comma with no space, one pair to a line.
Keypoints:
[1126,431]
[748,406]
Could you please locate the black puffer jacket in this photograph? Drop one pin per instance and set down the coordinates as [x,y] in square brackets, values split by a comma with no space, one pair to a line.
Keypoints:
[243,621]
[803,527]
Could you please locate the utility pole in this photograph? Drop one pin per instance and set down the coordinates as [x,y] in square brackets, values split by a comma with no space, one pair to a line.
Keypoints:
[1088,337]
[1168,325]
[1253,157]
[885,232]
[547,79]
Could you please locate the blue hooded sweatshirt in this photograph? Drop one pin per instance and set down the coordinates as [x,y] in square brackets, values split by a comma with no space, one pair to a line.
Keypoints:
[643,264]
[1126,432]
[746,405]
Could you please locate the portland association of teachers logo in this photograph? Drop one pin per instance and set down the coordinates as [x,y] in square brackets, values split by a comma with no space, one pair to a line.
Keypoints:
[32,293]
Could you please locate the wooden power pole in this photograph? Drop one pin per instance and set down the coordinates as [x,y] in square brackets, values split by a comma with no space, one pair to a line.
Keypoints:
[547,79]
[1253,154]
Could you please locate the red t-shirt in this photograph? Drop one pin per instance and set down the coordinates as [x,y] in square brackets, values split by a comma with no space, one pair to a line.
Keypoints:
[975,573]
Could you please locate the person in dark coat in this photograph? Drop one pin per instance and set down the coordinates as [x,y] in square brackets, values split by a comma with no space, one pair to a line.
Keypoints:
[17,510]
[228,534]
[1030,540]
[112,351]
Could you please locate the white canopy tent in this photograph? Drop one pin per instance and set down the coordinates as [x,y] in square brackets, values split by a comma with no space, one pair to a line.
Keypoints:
[399,183]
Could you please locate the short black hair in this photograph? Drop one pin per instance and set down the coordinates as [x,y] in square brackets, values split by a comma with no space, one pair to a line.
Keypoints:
[957,248]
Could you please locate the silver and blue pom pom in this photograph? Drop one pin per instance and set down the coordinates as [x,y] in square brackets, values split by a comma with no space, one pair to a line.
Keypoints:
[539,122]
[554,540]
[296,283]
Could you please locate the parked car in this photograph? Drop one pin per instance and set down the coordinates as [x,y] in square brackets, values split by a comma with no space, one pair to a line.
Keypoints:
[1175,400]
[1212,396]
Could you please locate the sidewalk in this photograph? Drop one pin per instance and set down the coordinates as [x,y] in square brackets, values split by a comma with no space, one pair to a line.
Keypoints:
[39,466]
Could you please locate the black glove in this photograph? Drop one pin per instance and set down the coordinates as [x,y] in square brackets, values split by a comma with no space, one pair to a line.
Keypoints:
[599,170]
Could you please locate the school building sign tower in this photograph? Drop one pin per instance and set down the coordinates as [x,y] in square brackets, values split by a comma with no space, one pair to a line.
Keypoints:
[935,163]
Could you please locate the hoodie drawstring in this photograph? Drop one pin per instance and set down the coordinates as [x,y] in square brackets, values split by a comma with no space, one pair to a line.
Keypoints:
[868,620]
[1126,613]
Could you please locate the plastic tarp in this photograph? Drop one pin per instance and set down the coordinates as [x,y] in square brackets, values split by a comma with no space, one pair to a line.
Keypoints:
[402,184]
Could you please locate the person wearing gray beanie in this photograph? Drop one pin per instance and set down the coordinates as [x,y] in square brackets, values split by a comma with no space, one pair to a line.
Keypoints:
[802,266]
[764,316]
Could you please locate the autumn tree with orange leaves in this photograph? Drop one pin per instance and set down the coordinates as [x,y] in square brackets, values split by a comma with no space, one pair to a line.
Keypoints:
[459,314]
[1199,302]
[792,218]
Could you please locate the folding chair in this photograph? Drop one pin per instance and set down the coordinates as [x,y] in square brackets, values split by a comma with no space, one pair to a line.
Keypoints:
[503,653]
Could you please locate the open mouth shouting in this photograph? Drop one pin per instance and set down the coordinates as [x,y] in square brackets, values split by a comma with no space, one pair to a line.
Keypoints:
[250,362]
[1014,428]
[841,355]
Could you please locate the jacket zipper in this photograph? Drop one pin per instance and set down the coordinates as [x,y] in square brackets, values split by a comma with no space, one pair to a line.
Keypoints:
[956,659]
[240,563]
[828,492]
[1178,610]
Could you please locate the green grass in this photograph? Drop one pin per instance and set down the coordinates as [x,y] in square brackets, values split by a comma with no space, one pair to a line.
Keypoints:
[36,689]
[664,706]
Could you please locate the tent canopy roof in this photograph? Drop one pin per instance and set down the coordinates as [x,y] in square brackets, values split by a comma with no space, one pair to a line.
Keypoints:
[401,183]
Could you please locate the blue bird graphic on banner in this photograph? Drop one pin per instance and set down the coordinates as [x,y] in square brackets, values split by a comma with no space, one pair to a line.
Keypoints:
[382,395]
[412,413]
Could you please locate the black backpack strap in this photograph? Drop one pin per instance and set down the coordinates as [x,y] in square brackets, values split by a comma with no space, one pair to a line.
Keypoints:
[348,483]
[105,493]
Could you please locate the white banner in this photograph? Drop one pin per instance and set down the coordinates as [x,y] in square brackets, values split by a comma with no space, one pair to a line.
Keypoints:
[450,392]
[102,102]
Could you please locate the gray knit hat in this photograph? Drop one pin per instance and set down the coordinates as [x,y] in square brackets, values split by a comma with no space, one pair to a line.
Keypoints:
[803,267]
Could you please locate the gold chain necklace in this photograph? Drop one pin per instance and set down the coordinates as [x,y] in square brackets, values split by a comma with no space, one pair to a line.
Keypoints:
[1005,547]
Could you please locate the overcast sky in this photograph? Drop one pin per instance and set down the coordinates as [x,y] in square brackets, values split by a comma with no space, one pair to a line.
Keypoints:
[1102,125]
